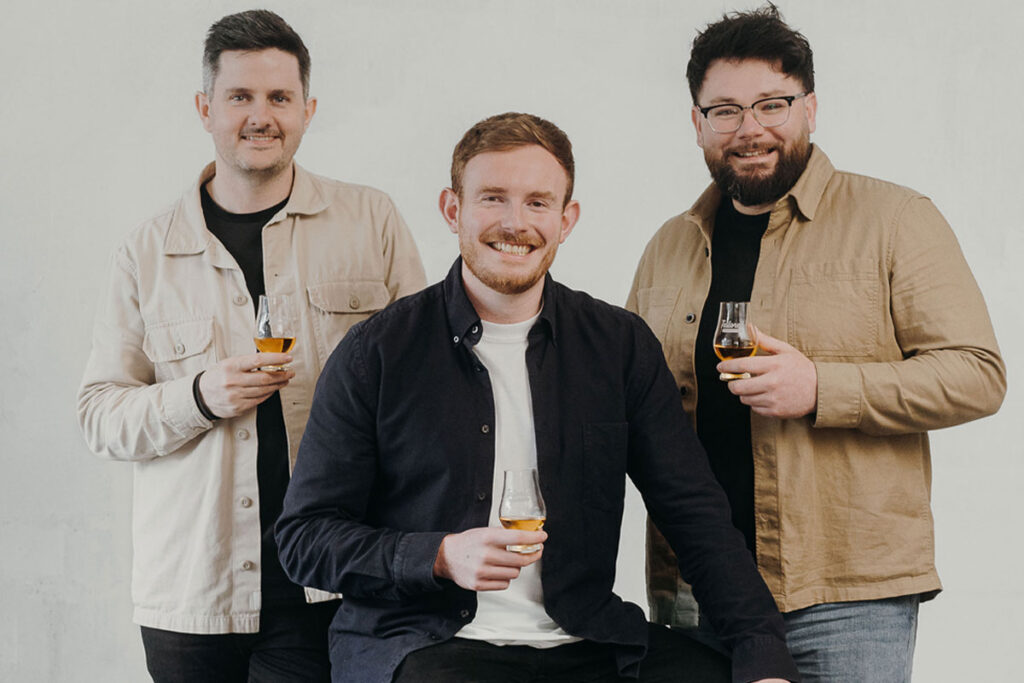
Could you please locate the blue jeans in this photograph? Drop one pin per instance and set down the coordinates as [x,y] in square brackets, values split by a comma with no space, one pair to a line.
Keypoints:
[869,641]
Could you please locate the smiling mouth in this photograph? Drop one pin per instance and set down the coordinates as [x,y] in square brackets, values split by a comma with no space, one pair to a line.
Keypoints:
[759,153]
[259,138]
[510,248]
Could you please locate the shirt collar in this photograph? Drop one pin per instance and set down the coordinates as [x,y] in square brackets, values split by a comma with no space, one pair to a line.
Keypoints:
[187,233]
[463,320]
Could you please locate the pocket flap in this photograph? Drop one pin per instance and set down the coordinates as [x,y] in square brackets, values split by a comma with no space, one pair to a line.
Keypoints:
[354,296]
[173,341]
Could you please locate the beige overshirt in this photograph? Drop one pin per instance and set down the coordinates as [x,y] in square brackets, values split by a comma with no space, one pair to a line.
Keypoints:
[176,303]
[867,279]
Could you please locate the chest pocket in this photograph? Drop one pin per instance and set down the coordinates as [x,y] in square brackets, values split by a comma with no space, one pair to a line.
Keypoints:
[833,309]
[179,348]
[655,306]
[337,306]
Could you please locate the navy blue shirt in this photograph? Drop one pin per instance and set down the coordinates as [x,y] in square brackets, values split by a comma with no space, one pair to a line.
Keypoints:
[399,451]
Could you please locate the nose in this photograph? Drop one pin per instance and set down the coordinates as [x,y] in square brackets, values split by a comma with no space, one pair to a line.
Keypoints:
[749,125]
[512,218]
[259,114]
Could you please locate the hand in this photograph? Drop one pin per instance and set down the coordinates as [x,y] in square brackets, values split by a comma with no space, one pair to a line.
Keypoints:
[234,385]
[783,384]
[476,559]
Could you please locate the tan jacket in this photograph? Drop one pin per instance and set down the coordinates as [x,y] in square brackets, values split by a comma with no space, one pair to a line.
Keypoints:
[175,304]
[867,279]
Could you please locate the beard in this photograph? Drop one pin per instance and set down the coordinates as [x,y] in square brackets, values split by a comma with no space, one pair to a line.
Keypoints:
[755,188]
[508,280]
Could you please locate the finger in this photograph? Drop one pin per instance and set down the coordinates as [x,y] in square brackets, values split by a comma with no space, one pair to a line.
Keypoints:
[254,361]
[491,585]
[770,344]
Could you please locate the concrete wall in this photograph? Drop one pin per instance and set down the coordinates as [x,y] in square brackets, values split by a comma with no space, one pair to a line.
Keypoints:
[99,132]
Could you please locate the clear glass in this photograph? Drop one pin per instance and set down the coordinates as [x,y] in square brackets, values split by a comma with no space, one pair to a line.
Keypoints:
[735,336]
[769,112]
[275,327]
[522,506]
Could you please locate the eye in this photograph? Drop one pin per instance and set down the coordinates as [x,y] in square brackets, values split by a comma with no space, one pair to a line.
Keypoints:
[279,99]
[726,111]
[237,98]
[772,106]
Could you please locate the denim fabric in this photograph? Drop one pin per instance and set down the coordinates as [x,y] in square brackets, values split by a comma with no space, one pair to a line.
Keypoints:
[867,641]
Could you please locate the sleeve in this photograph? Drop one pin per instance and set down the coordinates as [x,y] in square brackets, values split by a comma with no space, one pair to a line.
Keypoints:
[124,413]
[323,536]
[401,258]
[686,503]
[951,371]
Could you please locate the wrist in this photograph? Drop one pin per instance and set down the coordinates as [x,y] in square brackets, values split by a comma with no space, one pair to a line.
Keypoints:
[200,403]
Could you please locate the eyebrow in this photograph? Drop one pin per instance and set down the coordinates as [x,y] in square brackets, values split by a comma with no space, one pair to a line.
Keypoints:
[249,91]
[761,96]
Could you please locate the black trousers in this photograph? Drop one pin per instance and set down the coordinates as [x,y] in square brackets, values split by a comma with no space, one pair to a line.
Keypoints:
[291,646]
[671,657]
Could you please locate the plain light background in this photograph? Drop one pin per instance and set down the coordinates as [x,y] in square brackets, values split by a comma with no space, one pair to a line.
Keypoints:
[99,132]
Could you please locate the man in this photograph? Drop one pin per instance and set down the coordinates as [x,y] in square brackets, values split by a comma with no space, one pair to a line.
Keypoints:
[394,499]
[173,382]
[871,329]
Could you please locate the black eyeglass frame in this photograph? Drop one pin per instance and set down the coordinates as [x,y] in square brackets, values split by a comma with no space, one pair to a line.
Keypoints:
[789,99]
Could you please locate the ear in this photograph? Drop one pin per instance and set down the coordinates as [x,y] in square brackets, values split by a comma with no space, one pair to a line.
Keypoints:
[448,202]
[811,109]
[310,110]
[570,214]
[697,119]
[203,107]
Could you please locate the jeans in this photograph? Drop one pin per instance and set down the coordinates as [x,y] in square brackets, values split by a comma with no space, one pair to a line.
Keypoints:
[291,646]
[867,641]
[671,658]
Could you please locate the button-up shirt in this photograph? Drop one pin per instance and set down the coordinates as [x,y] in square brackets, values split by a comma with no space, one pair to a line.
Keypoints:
[399,452]
[176,303]
[866,279]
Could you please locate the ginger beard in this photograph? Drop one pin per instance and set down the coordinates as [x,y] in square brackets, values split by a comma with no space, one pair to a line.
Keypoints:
[505,278]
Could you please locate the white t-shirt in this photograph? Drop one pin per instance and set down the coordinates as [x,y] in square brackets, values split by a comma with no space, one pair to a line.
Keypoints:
[514,616]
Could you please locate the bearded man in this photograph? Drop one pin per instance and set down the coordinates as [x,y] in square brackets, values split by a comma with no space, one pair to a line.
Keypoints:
[871,331]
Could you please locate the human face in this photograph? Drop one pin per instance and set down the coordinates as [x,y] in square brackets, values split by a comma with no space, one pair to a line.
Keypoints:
[256,112]
[754,165]
[510,218]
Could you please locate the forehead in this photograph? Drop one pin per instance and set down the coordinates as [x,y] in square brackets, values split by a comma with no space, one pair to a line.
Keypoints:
[744,81]
[255,68]
[529,168]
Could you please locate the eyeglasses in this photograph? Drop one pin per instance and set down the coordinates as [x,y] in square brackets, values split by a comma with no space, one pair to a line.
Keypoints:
[769,112]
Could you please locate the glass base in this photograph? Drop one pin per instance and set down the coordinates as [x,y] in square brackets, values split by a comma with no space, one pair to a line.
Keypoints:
[729,376]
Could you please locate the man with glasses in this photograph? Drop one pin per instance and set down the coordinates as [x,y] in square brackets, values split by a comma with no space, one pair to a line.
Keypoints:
[871,331]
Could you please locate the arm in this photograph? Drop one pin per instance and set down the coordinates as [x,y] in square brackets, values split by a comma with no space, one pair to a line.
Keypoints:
[401,259]
[123,412]
[951,371]
[670,469]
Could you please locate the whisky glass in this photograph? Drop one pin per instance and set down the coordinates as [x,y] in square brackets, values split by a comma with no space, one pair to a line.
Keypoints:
[735,336]
[275,327]
[522,506]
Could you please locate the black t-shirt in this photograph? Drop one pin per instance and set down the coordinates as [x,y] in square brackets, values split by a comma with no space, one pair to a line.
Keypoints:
[723,423]
[242,234]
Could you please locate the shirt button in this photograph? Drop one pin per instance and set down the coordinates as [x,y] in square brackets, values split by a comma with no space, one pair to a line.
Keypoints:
[478,368]
[179,348]
[482,495]
[690,317]
[486,429]
[464,614]
[434,636]
[241,299]
[245,501]
[707,252]
[247,566]
[455,339]
[475,329]
[682,391]
[242,434]
[353,302]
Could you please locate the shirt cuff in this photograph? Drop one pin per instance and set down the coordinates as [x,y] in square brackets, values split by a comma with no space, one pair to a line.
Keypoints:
[414,561]
[762,657]
[839,395]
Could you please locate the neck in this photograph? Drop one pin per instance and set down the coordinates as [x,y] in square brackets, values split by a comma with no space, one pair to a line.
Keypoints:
[496,307]
[249,193]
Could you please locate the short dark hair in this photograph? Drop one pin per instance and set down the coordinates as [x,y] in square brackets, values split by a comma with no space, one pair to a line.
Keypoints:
[758,34]
[255,29]
[507,131]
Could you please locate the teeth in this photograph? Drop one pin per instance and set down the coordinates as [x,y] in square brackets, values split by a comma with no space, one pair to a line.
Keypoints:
[259,138]
[515,249]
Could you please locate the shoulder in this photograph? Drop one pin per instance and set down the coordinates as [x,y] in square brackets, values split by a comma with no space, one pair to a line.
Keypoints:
[401,323]
[597,317]
[350,193]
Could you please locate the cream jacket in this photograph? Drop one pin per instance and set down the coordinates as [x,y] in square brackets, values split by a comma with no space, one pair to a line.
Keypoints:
[866,279]
[175,304]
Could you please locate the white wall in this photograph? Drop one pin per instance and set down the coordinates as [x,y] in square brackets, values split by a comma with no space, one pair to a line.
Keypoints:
[98,132]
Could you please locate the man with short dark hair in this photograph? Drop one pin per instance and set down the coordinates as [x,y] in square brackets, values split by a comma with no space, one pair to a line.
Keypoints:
[174,383]
[871,331]
[422,408]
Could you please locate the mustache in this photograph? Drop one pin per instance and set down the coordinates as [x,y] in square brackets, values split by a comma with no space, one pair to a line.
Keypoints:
[512,237]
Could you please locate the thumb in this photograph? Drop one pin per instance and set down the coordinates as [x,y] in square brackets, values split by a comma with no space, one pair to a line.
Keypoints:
[770,344]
